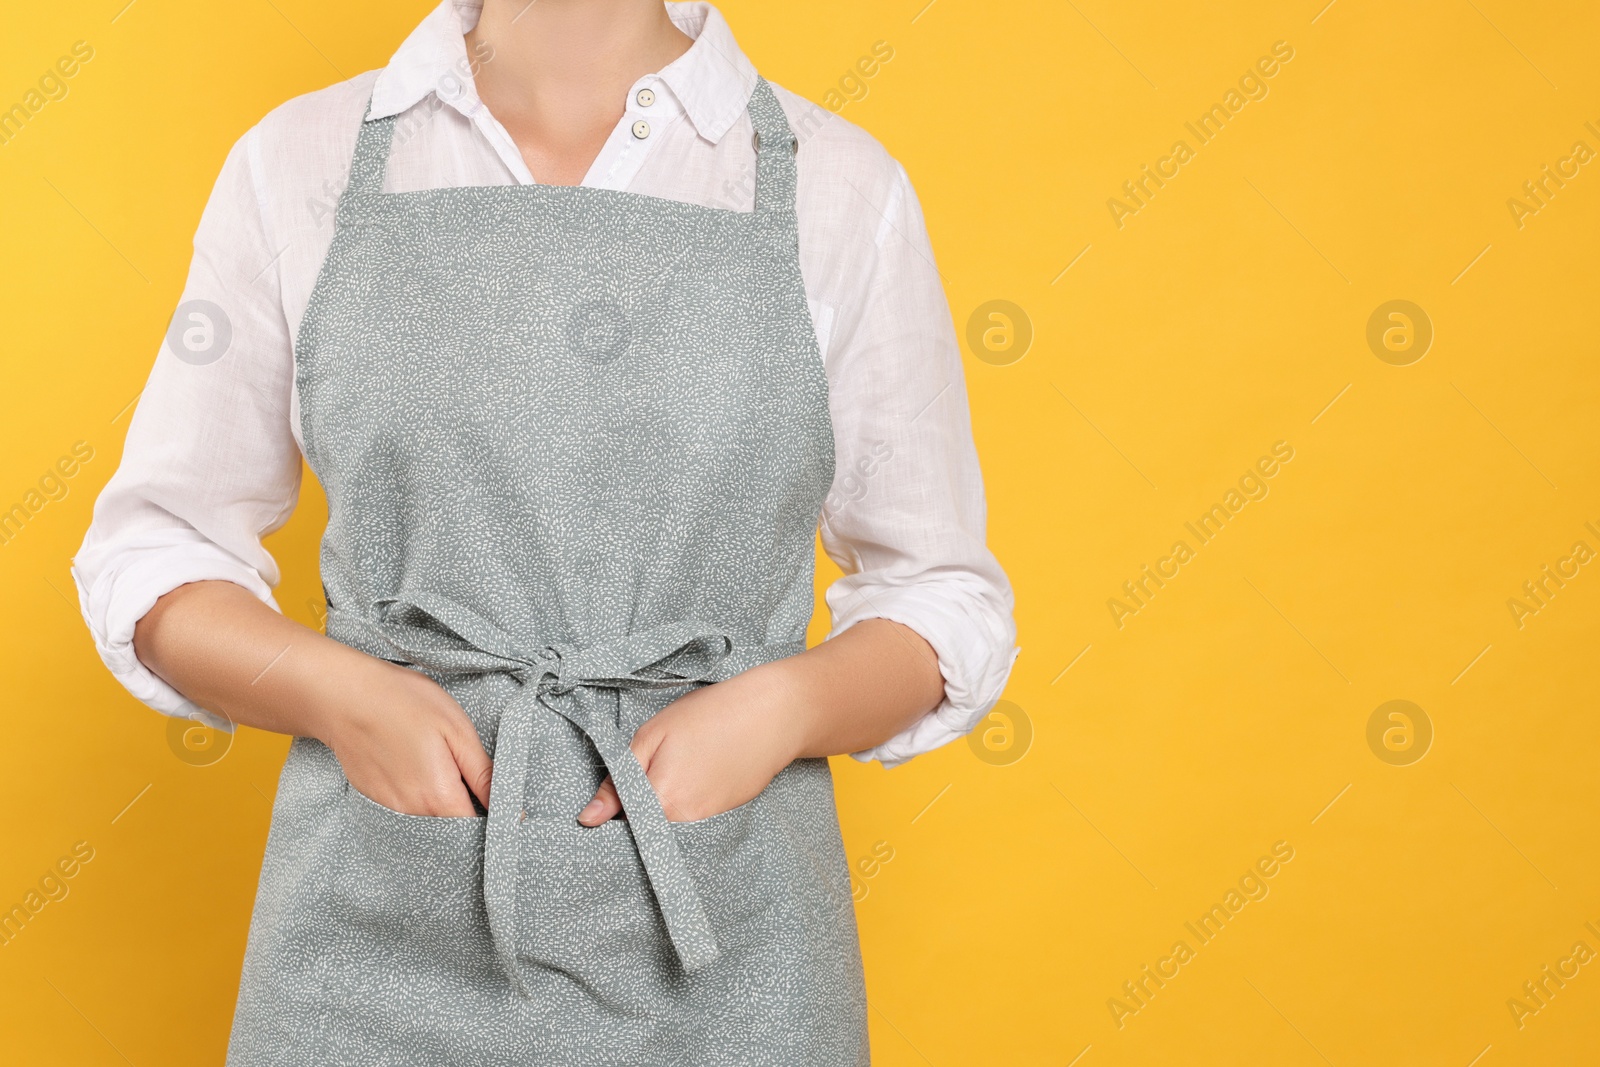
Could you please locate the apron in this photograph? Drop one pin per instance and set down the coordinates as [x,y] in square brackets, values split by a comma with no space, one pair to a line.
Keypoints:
[575,443]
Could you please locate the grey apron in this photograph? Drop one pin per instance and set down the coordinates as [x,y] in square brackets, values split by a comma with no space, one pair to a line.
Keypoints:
[575,443]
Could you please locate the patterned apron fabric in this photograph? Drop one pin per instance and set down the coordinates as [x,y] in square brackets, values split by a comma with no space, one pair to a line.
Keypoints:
[575,443]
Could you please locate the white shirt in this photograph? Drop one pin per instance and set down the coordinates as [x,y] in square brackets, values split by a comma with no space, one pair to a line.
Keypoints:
[213,459]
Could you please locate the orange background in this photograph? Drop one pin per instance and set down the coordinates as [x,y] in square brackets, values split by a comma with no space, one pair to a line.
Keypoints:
[1007,889]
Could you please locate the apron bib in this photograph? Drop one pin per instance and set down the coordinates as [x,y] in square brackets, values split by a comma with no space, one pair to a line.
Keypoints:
[575,443]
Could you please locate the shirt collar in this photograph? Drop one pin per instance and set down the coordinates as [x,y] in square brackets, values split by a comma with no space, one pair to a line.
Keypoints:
[713,80]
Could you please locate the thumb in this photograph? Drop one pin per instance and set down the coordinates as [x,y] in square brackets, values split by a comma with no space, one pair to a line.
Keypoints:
[605,806]
[477,770]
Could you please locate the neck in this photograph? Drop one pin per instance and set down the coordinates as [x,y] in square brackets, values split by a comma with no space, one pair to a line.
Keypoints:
[561,69]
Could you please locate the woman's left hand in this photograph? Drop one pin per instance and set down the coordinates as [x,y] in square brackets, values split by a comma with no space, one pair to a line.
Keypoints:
[718,746]
[714,748]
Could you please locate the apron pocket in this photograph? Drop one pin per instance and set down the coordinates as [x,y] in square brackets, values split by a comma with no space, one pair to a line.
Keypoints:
[726,855]
[716,837]
[585,909]
[407,875]
[417,827]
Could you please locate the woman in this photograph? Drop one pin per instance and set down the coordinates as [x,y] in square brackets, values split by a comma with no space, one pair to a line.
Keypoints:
[580,352]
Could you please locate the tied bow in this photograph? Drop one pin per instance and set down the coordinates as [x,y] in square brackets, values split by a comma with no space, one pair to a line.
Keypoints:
[437,634]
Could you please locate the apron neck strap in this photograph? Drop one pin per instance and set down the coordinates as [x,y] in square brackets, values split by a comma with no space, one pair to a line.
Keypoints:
[776,147]
[371,159]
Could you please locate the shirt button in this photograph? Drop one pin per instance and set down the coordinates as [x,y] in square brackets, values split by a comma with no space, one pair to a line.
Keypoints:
[641,129]
[646,97]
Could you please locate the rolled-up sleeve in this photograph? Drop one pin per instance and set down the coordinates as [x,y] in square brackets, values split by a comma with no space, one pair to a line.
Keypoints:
[906,517]
[211,464]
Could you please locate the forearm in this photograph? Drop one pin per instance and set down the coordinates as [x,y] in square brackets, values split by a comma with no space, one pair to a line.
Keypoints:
[400,738]
[858,689]
[228,652]
[717,746]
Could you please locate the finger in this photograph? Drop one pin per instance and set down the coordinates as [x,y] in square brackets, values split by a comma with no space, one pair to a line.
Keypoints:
[605,805]
[646,741]
[477,770]
[458,804]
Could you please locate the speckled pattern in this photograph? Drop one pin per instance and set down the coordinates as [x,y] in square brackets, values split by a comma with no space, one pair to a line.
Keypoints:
[575,443]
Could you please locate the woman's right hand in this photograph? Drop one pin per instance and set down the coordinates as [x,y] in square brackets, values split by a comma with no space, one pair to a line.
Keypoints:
[401,739]
[405,743]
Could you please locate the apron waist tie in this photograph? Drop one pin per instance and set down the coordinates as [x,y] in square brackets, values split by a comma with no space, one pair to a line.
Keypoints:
[432,632]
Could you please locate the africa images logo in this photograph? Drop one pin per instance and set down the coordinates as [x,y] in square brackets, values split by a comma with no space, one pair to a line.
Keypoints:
[1251,886]
[1252,485]
[1252,85]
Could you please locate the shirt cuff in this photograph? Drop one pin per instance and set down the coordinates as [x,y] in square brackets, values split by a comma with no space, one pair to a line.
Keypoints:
[117,598]
[976,649]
